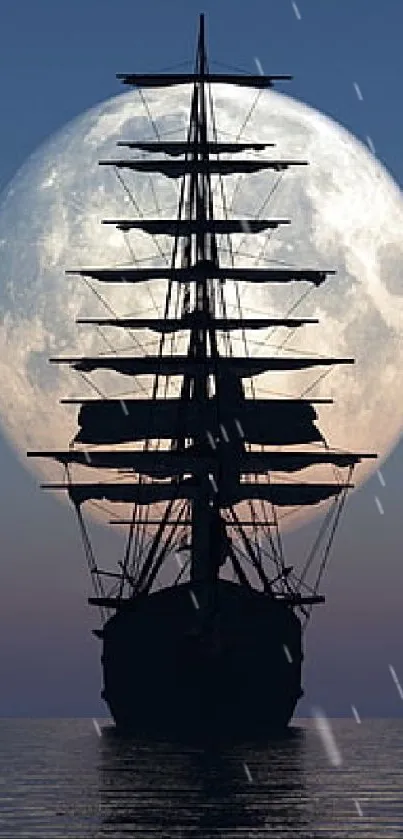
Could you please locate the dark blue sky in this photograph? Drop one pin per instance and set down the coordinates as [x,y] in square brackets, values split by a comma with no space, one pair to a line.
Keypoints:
[55,62]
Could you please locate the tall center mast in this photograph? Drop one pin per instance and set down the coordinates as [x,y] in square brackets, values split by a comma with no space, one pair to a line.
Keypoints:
[200,206]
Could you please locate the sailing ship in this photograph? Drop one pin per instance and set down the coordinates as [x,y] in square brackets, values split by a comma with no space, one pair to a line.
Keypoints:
[206,473]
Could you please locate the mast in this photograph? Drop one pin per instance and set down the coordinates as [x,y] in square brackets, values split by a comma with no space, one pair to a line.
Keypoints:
[211,427]
[201,505]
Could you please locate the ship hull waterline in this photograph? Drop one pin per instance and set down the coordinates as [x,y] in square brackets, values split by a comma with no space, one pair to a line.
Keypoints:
[177,666]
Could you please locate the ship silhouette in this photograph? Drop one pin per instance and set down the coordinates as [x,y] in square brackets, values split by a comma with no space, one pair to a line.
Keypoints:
[206,472]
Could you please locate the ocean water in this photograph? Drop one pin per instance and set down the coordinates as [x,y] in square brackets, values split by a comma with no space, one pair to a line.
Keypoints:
[59,778]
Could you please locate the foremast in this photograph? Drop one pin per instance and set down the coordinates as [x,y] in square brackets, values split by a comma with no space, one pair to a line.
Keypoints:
[211,428]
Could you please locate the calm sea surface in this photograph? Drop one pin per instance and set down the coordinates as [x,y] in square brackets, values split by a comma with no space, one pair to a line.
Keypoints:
[59,778]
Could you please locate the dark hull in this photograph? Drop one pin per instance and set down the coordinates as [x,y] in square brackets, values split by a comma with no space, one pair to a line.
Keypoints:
[170,673]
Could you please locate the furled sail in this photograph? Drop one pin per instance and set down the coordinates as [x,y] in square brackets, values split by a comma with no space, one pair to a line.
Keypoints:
[166,325]
[179,168]
[187,227]
[167,463]
[177,147]
[180,365]
[207,270]
[283,495]
[169,79]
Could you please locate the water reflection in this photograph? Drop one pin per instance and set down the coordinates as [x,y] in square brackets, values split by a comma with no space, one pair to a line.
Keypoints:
[166,790]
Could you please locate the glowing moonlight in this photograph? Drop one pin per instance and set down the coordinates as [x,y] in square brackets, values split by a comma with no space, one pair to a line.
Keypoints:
[346,214]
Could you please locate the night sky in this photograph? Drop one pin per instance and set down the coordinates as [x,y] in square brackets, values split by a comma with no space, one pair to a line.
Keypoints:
[58,60]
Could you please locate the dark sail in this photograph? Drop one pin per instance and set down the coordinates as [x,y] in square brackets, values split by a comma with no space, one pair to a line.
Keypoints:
[264,421]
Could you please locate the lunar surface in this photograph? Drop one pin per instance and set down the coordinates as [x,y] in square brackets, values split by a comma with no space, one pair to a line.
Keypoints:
[346,213]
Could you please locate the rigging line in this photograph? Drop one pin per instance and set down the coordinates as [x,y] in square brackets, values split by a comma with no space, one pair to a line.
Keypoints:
[128,192]
[91,384]
[327,550]
[136,537]
[290,513]
[237,294]
[307,588]
[140,541]
[238,137]
[230,248]
[268,236]
[157,560]
[176,241]
[104,509]
[270,194]
[175,66]
[139,537]
[170,546]
[173,336]
[227,339]
[253,393]
[147,564]
[184,511]
[315,547]
[166,132]
[138,209]
[133,561]
[106,340]
[158,136]
[279,550]
[265,259]
[281,346]
[141,531]
[184,204]
[109,308]
[243,555]
[257,545]
[149,114]
[128,347]
[178,540]
[237,566]
[95,577]
[289,312]
[92,565]
[242,70]
[282,580]
[126,557]
[99,296]
[317,380]
[133,257]
[258,566]
[249,114]
[182,571]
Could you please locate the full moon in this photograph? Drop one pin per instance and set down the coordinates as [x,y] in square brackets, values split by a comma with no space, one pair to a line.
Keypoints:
[346,214]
